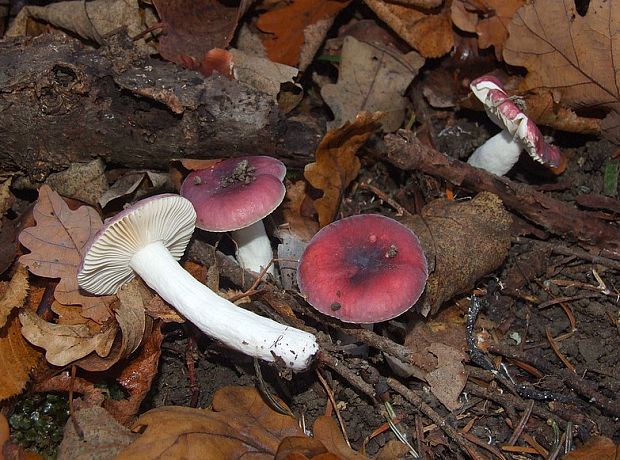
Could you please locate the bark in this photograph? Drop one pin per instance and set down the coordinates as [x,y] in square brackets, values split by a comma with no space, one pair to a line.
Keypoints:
[63,102]
[406,152]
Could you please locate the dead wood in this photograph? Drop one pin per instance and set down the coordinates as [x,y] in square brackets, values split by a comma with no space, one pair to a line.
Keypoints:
[408,153]
[63,102]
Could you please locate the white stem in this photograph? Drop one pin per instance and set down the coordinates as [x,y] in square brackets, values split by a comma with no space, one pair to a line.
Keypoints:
[497,155]
[239,329]
[254,248]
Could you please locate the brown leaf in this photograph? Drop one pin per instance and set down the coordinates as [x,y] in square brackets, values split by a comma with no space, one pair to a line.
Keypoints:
[489,19]
[337,165]
[65,344]
[130,316]
[429,34]
[598,447]
[57,244]
[326,430]
[136,379]
[290,28]
[100,436]
[300,448]
[81,181]
[239,424]
[371,78]
[15,294]
[301,225]
[572,55]
[6,197]
[193,27]
[17,358]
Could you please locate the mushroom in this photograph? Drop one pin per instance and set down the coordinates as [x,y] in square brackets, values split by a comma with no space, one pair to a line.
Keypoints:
[234,196]
[363,269]
[499,154]
[147,239]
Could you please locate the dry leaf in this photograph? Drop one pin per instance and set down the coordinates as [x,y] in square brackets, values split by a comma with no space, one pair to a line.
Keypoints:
[294,27]
[6,197]
[8,243]
[100,436]
[302,448]
[573,56]
[260,73]
[326,430]
[240,424]
[598,447]
[193,27]
[371,78]
[336,163]
[449,378]
[81,181]
[130,316]
[91,20]
[66,344]
[429,34]
[17,358]
[133,186]
[301,223]
[136,379]
[488,18]
[15,294]
[57,244]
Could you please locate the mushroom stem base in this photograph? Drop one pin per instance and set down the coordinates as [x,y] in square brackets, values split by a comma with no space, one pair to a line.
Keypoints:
[497,155]
[219,318]
[254,248]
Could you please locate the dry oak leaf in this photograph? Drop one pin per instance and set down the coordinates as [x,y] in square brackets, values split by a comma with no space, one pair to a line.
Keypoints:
[15,294]
[65,344]
[371,78]
[336,163]
[488,18]
[297,30]
[429,34]
[238,425]
[57,244]
[573,56]
[598,447]
[326,430]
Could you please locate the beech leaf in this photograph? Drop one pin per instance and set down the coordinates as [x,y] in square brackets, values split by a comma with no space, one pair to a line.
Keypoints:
[575,57]
[57,244]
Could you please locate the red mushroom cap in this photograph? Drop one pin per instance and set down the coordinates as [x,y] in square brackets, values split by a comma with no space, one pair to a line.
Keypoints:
[509,116]
[235,193]
[363,269]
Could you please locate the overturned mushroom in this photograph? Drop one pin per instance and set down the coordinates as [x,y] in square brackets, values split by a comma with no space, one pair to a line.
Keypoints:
[500,153]
[147,239]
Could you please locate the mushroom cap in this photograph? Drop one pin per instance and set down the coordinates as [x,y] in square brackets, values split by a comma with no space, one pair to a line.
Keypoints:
[501,109]
[235,193]
[363,269]
[167,218]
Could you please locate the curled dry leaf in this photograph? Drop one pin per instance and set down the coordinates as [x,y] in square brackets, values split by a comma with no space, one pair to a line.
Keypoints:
[57,244]
[17,357]
[81,181]
[428,33]
[336,163]
[574,57]
[292,30]
[371,78]
[65,344]
[489,19]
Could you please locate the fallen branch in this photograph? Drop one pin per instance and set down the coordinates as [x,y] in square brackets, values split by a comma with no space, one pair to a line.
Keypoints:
[405,151]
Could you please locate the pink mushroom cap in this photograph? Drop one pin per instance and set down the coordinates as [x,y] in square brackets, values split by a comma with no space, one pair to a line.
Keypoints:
[509,116]
[363,269]
[235,193]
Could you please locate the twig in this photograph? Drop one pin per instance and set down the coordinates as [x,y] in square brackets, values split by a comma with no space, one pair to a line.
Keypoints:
[521,425]
[332,400]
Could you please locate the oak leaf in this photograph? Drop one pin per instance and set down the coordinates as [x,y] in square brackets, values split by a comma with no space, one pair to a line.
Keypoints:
[336,163]
[371,78]
[57,244]
[238,425]
[428,33]
[292,29]
[573,56]
[17,357]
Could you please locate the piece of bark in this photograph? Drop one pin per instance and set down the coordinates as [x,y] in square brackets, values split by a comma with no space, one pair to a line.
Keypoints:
[463,241]
[62,102]
[408,153]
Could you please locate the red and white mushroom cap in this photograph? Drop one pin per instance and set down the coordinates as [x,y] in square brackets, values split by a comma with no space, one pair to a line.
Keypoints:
[363,269]
[235,193]
[501,109]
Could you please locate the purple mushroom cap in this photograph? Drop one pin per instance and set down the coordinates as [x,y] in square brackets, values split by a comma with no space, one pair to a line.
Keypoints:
[235,193]
[363,269]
